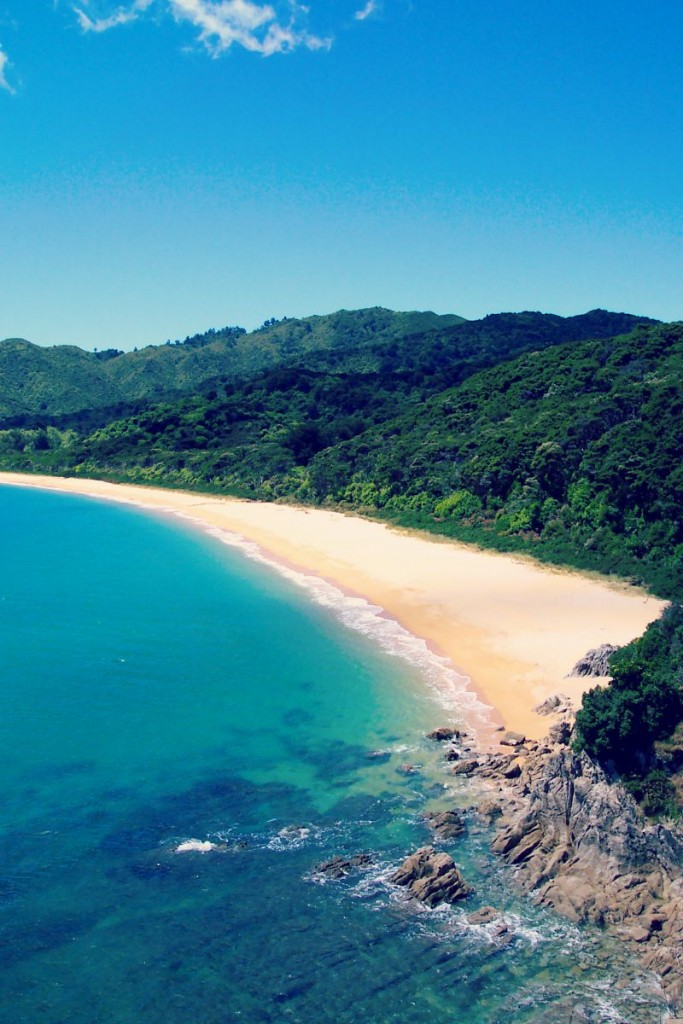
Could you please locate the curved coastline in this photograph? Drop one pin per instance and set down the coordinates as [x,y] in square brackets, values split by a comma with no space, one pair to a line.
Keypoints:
[512,628]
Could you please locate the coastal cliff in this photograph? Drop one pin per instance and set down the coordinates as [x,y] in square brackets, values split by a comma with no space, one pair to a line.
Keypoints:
[580,845]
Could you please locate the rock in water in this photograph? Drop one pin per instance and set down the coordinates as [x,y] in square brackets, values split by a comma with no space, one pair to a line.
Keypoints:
[445,824]
[432,877]
[485,915]
[595,662]
[443,733]
[340,867]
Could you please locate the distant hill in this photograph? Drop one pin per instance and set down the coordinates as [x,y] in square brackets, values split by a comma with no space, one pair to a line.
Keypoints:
[65,380]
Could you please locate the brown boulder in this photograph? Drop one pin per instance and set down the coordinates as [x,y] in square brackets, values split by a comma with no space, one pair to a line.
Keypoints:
[431,877]
[445,824]
[512,739]
[443,733]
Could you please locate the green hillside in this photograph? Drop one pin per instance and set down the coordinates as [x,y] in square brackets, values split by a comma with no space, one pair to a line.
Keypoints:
[569,451]
[48,383]
[573,454]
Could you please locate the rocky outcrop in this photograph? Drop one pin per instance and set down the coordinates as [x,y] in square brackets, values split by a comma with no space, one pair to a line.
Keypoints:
[557,704]
[580,845]
[431,877]
[595,662]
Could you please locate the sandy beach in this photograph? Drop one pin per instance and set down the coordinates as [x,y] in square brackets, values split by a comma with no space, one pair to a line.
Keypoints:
[514,628]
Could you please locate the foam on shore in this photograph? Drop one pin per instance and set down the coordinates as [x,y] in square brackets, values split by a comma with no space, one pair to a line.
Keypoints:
[451,689]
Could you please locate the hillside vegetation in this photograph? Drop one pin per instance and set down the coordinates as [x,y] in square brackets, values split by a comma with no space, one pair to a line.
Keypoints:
[45,384]
[630,725]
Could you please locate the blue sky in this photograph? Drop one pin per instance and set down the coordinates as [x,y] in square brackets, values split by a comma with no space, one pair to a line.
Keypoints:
[171,165]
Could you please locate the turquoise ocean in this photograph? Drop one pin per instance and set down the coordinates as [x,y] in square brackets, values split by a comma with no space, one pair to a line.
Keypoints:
[162,689]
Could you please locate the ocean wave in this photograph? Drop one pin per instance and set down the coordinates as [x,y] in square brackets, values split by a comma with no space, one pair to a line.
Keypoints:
[448,687]
[195,846]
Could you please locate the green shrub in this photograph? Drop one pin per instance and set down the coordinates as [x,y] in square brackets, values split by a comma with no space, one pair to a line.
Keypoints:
[459,505]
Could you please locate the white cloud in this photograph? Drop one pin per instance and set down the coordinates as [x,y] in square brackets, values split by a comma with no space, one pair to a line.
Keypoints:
[4,63]
[370,8]
[121,16]
[255,26]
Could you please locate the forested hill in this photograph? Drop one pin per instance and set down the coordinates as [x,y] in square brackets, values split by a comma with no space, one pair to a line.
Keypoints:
[66,386]
[64,380]
[571,451]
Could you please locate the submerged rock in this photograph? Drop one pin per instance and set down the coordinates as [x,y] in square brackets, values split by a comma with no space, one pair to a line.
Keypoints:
[432,878]
[340,867]
[485,915]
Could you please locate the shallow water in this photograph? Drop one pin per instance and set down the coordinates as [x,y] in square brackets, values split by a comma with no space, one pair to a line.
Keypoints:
[158,687]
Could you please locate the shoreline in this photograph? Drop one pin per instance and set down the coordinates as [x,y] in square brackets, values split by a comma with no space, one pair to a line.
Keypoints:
[513,628]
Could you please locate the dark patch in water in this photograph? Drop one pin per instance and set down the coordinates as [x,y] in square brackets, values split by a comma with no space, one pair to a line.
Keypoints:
[37,937]
[9,891]
[130,841]
[333,759]
[216,804]
[115,793]
[292,993]
[295,717]
[360,807]
[151,869]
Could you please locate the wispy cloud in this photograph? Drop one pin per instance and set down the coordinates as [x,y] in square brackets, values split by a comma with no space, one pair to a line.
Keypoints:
[365,12]
[120,16]
[4,63]
[256,26]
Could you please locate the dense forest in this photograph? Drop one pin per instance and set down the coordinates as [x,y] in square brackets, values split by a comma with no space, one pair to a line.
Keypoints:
[556,436]
[39,385]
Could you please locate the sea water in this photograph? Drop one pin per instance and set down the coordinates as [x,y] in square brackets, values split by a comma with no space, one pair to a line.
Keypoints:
[186,734]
